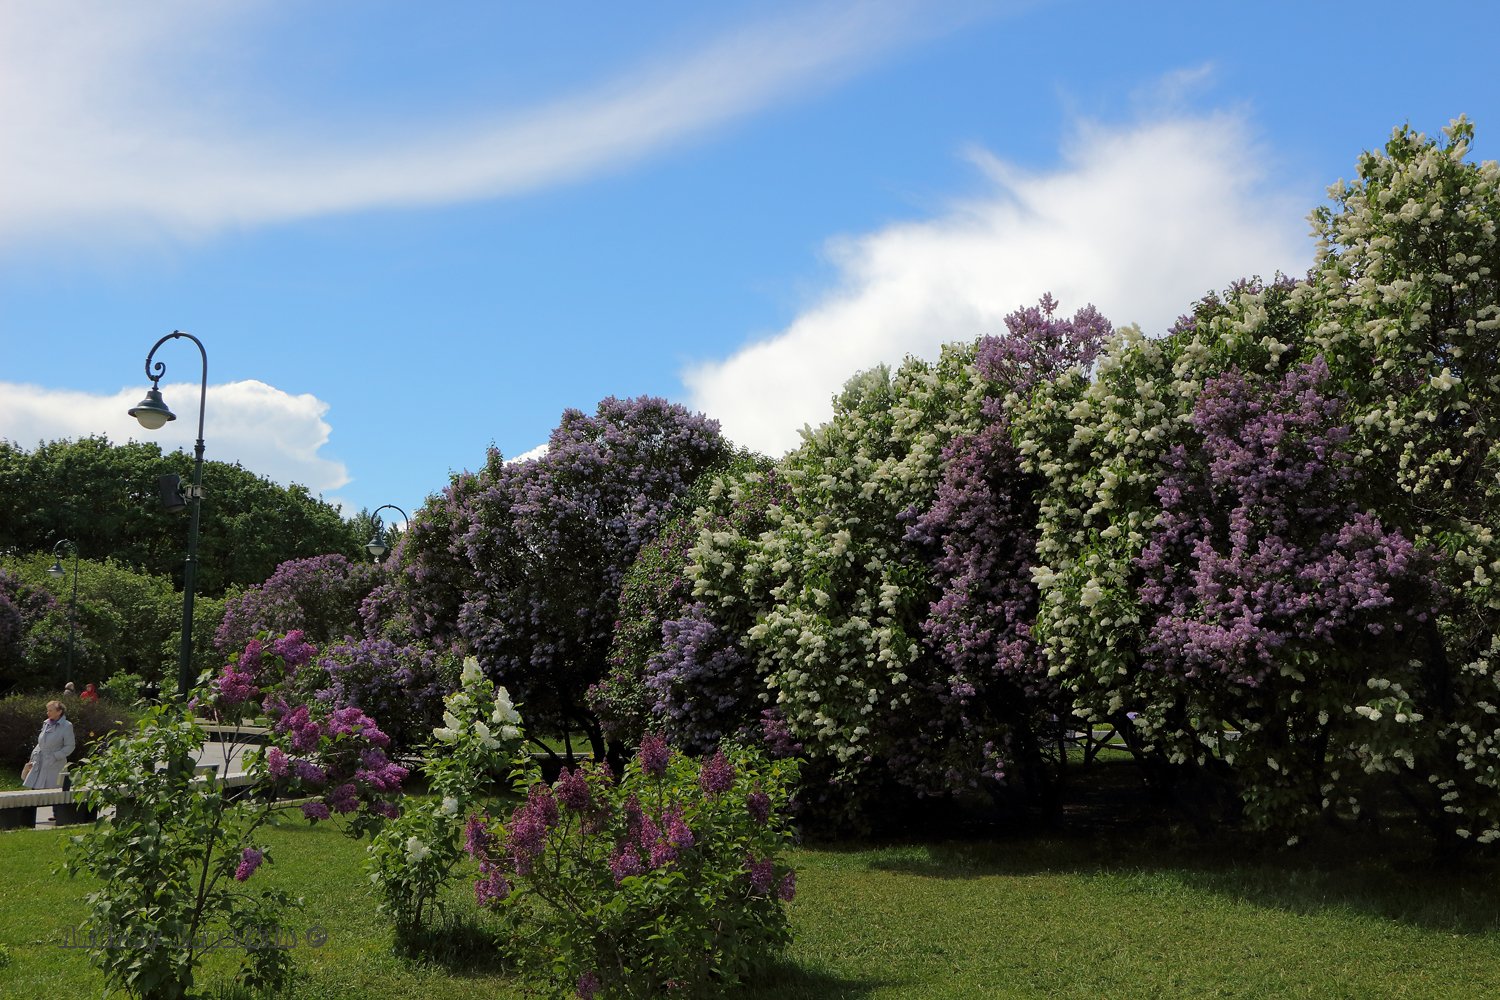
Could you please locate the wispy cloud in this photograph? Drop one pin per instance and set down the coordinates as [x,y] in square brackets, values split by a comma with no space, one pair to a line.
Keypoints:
[268,431]
[1140,221]
[103,136]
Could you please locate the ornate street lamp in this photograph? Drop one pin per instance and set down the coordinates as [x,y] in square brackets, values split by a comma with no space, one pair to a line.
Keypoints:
[153,414]
[377,546]
[57,573]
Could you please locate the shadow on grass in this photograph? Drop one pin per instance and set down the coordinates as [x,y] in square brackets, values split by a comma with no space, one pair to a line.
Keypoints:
[1392,878]
[457,945]
[785,980]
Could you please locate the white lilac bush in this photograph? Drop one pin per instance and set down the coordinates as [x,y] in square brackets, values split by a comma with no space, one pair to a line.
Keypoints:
[838,595]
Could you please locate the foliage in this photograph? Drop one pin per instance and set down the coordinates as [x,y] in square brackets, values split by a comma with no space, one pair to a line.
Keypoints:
[170,856]
[126,621]
[22,607]
[668,880]
[538,548]
[122,686]
[93,722]
[318,596]
[413,857]
[104,497]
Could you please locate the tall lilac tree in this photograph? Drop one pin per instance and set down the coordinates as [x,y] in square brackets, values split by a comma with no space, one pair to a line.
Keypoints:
[990,681]
[545,543]
[1272,595]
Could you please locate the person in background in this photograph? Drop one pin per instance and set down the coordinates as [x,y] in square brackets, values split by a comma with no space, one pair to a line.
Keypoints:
[89,693]
[44,769]
[68,689]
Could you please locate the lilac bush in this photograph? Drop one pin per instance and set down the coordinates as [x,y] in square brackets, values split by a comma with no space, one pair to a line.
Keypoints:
[319,597]
[401,685]
[545,543]
[667,881]
[993,692]
[1271,595]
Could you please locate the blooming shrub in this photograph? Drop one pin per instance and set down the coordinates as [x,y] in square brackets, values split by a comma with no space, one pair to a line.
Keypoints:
[667,880]
[401,685]
[676,666]
[334,754]
[319,597]
[997,703]
[535,551]
[836,594]
[413,857]
[174,852]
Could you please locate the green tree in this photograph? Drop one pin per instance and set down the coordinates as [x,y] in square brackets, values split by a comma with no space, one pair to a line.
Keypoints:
[106,499]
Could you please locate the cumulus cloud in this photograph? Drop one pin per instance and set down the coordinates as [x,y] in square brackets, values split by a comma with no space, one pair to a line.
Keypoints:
[1140,221]
[270,432]
[119,119]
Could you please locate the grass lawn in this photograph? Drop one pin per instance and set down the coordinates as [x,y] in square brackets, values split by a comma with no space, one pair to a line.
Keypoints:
[1110,914]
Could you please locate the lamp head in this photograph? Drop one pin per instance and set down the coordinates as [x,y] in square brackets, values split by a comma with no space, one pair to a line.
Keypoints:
[152,412]
[376,546]
[57,571]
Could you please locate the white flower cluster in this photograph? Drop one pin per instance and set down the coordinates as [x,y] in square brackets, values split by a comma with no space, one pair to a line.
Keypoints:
[492,719]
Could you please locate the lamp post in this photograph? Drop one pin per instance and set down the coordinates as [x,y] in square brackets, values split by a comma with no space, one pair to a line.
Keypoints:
[153,414]
[377,546]
[57,573]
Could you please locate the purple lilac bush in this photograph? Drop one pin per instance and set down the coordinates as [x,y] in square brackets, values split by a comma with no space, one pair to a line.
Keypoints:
[666,881]
[538,548]
[997,703]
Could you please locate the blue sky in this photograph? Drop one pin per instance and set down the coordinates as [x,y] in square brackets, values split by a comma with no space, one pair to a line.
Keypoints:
[404,232]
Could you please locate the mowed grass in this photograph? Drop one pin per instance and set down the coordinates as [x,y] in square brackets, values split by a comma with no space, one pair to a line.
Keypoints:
[1118,914]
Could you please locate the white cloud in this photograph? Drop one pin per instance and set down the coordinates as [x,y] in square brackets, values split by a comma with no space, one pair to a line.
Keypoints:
[531,453]
[125,118]
[1139,221]
[270,432]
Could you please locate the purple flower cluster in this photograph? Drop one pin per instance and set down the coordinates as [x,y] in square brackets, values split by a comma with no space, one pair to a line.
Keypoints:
[250,860]
[572,790]
[1261,544]
[491,887]
[762,872]
[758,805]
[654,755]
[236,687]
[716,775]
[625,862]
[527,831]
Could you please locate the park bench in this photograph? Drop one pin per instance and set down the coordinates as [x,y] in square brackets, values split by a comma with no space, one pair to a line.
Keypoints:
[18,808]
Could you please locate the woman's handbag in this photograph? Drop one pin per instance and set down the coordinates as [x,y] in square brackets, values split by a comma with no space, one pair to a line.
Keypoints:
[25,770]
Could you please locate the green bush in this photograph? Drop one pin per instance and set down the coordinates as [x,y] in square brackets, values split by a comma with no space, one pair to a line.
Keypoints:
[21,718]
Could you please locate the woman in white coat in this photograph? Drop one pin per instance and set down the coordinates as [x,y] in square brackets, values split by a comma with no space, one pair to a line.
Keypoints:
[53,746]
